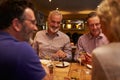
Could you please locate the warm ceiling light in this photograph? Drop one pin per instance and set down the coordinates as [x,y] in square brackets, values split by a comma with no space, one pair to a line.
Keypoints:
[85,11]
[57,8]
[65,12]
[98,6]
[50,0]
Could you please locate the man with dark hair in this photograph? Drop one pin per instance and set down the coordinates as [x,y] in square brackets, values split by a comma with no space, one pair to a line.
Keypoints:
[89,41]
[18,61]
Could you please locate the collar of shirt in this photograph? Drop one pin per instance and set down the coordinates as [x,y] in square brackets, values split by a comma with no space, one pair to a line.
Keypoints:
[98,37]
[57,34]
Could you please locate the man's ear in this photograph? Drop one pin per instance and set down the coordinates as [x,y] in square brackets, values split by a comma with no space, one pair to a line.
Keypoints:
[16,24]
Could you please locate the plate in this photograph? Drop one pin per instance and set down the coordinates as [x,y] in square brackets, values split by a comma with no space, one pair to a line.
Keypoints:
[89,66]
[44,61]
[60,65]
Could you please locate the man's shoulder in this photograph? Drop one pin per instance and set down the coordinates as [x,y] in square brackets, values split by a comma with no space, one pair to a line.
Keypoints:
[25,45]
[41,31]
[86,35]
[60,33]
[102,35]
[24,49]
[22,46]
[16,48]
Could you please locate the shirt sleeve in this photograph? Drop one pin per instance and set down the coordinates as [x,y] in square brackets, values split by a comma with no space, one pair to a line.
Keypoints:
[67,49]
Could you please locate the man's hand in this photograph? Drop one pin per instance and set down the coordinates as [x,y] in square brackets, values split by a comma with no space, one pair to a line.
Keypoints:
[61,54]
[86,58]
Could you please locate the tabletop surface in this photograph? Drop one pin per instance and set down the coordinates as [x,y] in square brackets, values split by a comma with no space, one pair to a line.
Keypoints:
[72,72]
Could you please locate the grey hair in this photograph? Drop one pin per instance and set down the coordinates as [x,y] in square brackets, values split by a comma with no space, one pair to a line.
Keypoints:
[55,12]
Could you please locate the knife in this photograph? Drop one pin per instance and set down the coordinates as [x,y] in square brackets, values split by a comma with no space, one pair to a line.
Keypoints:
[62,61]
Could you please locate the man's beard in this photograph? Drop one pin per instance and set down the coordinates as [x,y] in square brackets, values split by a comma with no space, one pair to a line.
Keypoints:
[54,30]
[25,34]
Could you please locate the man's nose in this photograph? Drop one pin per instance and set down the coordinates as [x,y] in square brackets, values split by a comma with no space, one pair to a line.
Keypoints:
[35,28]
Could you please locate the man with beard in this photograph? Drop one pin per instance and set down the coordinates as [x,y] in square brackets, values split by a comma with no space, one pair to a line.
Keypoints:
[52,43]
[89,41]
[18,60]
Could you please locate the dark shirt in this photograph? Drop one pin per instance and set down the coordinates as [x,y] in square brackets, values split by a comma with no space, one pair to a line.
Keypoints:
[18,61]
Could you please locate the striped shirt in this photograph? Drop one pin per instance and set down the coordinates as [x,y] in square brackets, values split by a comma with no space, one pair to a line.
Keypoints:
[87,43]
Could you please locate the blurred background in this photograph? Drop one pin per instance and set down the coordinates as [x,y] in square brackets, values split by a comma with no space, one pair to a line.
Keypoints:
[74,14]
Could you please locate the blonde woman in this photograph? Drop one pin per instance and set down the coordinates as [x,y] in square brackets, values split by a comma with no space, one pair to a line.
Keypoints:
[106,65]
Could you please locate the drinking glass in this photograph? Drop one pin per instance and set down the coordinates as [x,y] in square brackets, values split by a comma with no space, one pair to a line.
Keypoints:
[80,58]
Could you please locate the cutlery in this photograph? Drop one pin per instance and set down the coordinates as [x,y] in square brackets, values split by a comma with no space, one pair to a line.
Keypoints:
[62,61]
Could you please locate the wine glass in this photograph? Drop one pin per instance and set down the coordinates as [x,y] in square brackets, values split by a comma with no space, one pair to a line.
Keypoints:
[79,60]
[81,57]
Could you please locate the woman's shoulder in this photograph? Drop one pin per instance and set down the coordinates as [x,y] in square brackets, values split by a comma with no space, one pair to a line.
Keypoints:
[107,49]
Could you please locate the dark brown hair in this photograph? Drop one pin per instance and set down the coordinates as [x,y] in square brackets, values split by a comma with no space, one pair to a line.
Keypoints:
[10,9]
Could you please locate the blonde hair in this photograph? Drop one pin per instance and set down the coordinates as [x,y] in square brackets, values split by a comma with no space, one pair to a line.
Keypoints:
[109,13]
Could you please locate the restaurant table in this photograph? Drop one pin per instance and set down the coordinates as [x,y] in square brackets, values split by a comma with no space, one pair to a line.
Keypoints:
[72,72]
